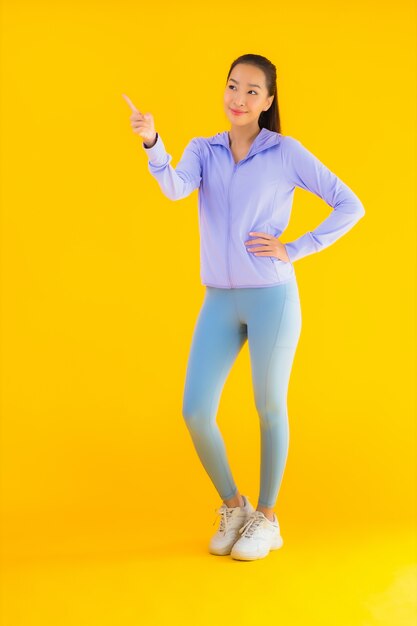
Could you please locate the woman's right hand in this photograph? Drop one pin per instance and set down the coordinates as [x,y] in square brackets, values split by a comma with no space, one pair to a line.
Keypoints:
[142,124]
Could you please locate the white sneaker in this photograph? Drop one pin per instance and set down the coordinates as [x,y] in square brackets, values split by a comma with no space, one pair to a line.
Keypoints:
[258,536]
[231,520]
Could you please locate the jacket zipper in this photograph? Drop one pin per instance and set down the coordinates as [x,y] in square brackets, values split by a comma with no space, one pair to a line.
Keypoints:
[236,165]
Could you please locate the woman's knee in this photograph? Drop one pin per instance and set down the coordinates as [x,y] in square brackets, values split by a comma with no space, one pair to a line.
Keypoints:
[195,413]
[272,412]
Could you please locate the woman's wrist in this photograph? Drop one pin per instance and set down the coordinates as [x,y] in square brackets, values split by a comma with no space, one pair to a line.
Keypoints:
[151,143]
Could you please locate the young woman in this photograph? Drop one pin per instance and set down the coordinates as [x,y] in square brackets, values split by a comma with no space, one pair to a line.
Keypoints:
[246,179]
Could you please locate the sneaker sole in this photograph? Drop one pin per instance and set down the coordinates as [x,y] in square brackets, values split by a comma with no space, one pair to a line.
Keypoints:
[224,552]
[244,557]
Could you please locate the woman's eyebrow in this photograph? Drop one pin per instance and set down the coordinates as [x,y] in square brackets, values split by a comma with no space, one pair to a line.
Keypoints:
[249,84]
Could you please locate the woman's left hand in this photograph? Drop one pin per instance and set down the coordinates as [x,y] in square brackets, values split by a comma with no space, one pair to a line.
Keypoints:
[271,246]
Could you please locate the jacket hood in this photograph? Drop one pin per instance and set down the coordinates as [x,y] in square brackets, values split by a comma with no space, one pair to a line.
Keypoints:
[265,139]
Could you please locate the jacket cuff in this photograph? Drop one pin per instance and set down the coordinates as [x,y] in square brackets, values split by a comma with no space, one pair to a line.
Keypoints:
[304,245]
[157,153]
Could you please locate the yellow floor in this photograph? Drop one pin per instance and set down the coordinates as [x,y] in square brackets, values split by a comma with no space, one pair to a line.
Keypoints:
[350,578]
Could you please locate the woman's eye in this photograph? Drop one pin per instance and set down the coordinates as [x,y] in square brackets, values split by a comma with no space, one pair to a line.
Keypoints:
[232,87]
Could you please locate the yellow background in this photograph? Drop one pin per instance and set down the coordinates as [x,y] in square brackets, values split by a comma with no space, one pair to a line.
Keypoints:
[106,509]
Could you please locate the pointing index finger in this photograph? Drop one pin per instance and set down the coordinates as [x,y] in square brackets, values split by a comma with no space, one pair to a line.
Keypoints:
[130,103]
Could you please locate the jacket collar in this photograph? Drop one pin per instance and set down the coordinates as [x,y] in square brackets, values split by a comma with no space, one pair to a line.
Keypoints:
[265,139]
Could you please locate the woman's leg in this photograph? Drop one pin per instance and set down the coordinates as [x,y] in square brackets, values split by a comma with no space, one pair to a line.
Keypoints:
[273,317]
[218,338]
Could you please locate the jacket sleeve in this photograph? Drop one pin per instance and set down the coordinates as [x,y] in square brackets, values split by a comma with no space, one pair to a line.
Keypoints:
[179,182]
[304,170]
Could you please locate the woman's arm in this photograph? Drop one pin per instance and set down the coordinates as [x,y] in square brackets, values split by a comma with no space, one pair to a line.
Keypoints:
[179,182]
[304,170]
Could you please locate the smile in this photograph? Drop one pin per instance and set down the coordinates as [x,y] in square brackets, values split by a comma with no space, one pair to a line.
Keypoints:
[237,112]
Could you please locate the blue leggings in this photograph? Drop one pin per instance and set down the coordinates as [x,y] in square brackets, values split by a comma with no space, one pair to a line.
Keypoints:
[270,319]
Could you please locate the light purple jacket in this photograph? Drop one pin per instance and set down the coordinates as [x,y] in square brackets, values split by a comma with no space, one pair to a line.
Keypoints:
[255,194]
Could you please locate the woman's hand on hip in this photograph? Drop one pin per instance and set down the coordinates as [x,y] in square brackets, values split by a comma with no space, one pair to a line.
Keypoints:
[268,245]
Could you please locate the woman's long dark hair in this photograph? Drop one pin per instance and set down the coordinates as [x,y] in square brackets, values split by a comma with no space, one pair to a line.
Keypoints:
[268,119]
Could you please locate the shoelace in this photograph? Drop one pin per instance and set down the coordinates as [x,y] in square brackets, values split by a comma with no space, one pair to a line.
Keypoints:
[255,520]
[225,514]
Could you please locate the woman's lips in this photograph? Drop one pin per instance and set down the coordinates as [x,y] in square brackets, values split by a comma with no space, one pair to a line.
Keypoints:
[237,112]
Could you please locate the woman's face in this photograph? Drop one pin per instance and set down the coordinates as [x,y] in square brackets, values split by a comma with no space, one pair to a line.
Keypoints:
[246,91]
